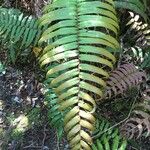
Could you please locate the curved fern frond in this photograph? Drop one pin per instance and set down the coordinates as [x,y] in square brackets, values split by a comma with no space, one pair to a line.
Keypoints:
[79,56]
[122,79]
[139,123]
[108,138]
[16,27]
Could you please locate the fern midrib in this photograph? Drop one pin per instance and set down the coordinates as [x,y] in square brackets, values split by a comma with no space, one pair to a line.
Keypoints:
[78,49]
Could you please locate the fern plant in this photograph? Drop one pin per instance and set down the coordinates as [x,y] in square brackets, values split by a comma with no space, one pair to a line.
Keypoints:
[136,41]
[79,56]
[138,124]
[55,116]
[133,5]
[78,40]
[107,137]
[19,32]
[146,61]
[139,55]
[123,78]
[141,29]
[16,27]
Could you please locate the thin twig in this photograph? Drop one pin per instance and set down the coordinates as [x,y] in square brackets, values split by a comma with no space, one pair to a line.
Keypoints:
[57,141]
[43,142]
[129,114]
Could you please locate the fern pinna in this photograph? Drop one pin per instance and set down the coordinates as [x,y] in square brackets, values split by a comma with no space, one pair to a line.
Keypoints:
[78,53]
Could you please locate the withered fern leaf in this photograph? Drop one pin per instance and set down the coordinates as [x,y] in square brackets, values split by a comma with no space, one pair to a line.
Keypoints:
[138,124]
[78,53]
[123,78]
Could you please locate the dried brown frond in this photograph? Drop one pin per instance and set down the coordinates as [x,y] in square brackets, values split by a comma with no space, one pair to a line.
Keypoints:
[123,78]
[139,123]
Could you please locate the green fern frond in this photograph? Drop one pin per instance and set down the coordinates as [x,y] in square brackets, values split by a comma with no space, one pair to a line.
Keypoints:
[79,57]
[16,27]
[146,61]
[55,116]
[142,56]
[134,5]
[108,138]
[136,53]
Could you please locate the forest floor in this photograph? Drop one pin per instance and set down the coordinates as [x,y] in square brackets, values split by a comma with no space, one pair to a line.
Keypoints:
[23,116]
[23,121]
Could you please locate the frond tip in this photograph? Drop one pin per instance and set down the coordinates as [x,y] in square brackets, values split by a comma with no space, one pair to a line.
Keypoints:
[55,116]
[138,124]
[107,137]
[78,57]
